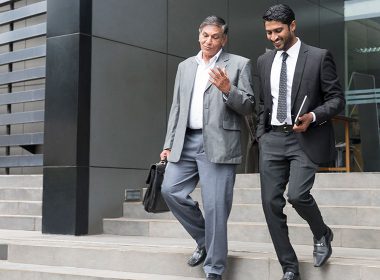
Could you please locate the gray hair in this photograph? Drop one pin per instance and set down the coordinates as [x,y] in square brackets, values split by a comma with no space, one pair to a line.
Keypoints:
[215,20]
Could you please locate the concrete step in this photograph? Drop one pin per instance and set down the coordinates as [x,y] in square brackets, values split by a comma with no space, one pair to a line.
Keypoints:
[20,222]
[336,215]
[21,202]
[164,256]
[18,271]
[21,181]
[344,236]
[21,193]
[13,207]
[322,180]
[331,196]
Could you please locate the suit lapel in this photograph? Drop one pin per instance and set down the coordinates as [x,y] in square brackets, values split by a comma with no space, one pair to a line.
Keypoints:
[191,71]
[267,85]
[298,73]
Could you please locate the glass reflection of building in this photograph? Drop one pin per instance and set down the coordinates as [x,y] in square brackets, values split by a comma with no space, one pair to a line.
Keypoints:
[362,27]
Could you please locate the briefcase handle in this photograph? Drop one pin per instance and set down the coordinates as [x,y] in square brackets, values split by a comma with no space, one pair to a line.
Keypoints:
[163,161]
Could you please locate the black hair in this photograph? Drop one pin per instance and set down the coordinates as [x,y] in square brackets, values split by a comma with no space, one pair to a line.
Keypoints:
[281,12]
[214,20]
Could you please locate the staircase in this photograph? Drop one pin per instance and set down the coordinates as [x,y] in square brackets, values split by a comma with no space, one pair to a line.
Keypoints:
[20,202]
[154,246]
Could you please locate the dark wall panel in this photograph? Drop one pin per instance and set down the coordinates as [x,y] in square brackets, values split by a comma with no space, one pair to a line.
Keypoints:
[106,197]
[184,18]
[334,5]
[313,1]
[332,37]
[307,18]
[140,23]
[247,34]
[128,105]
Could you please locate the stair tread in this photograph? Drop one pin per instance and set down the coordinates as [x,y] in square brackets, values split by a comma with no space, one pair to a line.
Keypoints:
[100,273]
[20,201]
[19,216]
[139,203]
[165,244]
[121,219]
[315,188]
[240,250]
[20,188]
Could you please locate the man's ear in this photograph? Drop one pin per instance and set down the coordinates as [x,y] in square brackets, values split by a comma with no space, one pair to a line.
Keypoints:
[293,26]
[225,40]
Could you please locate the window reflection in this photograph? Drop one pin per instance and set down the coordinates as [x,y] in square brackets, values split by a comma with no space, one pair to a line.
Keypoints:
[363,89]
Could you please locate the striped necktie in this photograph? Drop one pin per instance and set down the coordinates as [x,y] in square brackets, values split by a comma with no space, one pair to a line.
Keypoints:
[281,107]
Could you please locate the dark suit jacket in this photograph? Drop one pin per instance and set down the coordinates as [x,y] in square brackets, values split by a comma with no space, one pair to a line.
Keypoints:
[315,76]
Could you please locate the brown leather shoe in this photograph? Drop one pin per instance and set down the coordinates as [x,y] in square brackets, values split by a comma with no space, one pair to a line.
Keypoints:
[198,256]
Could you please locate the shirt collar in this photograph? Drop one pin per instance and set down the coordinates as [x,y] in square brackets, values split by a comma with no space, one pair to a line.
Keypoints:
[294,50]
[199,59]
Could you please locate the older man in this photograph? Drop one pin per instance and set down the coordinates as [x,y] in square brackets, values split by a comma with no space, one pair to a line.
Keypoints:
[212,91]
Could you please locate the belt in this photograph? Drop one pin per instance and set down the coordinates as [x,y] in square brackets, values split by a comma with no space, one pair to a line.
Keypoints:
[191,130]
[286,128]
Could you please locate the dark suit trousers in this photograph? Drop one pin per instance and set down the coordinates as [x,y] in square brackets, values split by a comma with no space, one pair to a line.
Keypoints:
[282,161]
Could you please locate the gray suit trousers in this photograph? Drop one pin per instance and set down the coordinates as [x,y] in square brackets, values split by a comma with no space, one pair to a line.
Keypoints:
[217,182]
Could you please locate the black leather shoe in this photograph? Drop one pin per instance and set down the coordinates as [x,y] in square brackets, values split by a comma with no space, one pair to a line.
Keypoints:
[290,276]
[322,248]
[213,276]
[198,256]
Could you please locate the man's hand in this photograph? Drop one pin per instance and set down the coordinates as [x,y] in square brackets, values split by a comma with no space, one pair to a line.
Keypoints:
[305,121]
[164,154]
[219,78]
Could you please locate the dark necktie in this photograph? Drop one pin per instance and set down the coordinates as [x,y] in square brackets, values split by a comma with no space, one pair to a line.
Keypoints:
[281,106]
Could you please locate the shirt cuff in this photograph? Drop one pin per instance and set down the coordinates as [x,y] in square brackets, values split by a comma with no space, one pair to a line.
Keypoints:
[314,117]
[225,96]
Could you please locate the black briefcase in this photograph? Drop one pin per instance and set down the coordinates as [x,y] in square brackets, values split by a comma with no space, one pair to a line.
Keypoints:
[153,201]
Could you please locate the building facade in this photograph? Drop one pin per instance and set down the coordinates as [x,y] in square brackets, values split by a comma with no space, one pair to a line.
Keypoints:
[110,69]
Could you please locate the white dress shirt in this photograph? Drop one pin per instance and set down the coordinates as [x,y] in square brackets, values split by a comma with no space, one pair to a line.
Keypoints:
[200,83]
[291,61]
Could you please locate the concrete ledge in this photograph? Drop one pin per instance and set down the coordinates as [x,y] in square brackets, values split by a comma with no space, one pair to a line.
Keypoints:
[247,261]
[322,180]
[15,181]
[333,215]
[17,271]
[20,222]
[344,236]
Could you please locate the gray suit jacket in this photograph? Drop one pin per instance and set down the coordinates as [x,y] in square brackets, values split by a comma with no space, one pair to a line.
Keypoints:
[221,118]
[315,76]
